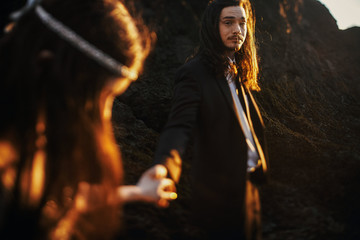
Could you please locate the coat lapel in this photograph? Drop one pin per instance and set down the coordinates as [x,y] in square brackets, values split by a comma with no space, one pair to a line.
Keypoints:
[227,94]
[255,137]
[224,87]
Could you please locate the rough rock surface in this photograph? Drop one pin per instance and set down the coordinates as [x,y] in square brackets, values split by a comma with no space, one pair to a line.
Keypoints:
[310,102]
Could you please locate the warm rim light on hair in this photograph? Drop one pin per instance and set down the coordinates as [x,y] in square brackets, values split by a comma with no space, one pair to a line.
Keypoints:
[249,61]
[37,177]
[8,158]
[133,33]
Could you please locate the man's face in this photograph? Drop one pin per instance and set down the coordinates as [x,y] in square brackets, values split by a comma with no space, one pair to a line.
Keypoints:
[232,27]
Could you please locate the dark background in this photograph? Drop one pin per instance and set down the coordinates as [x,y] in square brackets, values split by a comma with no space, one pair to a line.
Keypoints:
[310,103]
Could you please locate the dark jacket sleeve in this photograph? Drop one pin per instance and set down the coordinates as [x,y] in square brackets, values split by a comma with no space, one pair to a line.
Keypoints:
[181,121]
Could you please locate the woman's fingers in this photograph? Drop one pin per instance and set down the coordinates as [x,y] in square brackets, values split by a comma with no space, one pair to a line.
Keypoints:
[157,171]
[166,192]
[156,188]
[167,189]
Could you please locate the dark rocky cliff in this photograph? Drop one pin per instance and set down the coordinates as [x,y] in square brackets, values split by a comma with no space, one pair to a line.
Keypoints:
[310,102]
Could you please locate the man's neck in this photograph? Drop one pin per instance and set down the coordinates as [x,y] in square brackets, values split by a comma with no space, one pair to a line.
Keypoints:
[230,54]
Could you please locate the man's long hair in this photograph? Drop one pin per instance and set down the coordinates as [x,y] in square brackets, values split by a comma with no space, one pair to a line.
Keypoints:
[212,48]
[60,92]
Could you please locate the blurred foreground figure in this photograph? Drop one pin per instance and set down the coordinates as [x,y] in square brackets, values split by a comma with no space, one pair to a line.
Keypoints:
[62,63]
[213,103]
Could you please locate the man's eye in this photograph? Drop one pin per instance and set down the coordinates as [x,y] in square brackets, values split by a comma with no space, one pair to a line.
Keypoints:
[227,23]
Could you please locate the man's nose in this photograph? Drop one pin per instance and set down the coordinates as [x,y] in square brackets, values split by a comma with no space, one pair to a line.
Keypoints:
[237,29]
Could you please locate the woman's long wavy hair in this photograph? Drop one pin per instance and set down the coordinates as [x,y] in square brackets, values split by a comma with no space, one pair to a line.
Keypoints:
[49,99]
[212,48]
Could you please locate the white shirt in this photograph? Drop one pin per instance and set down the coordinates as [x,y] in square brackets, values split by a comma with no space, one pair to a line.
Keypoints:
[253,156]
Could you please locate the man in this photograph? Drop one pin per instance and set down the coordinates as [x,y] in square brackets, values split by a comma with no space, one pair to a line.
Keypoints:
[213,104]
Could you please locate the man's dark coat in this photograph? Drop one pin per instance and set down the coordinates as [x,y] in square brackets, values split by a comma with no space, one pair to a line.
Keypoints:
[203,109]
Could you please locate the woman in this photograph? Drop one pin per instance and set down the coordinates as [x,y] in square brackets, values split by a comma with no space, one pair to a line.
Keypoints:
[62,64]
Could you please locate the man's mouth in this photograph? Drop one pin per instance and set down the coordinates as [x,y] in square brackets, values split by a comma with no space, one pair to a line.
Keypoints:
[236,38]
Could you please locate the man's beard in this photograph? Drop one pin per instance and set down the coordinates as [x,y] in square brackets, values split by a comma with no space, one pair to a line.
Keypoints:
[236,49]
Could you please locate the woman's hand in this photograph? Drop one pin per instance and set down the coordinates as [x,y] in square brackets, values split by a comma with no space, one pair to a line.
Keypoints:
[155,187]
[152,187]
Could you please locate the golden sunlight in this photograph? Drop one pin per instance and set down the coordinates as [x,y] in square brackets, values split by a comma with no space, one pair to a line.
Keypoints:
[38,177]
[8,158]
[174,163]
